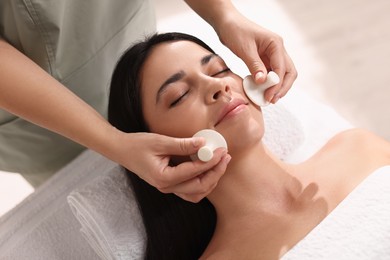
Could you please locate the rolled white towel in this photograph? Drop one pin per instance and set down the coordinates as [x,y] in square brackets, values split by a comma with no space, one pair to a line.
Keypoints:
[109,216]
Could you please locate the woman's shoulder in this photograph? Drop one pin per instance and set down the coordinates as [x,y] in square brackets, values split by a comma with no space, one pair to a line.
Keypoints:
[346,160]
[361,142]
[355,147]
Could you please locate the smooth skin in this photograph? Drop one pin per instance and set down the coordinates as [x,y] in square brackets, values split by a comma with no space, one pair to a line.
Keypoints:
[27,91]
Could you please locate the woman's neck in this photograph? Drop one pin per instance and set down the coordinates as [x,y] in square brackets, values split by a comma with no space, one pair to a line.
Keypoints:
[254,201]
[257,182]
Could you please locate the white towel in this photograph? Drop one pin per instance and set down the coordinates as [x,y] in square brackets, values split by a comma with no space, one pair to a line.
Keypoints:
[358,229]
[109,217]
[43,226]
[283,131]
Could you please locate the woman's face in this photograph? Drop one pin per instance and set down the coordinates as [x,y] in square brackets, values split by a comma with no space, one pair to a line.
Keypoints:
[185,88]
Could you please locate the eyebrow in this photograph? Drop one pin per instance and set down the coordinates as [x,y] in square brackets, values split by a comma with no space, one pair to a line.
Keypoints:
[179,75]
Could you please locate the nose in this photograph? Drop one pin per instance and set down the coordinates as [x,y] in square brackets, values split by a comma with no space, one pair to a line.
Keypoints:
[218,90]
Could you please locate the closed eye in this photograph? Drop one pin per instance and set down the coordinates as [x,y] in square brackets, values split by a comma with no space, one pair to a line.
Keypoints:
[180,98]
[221,72]
[177,101]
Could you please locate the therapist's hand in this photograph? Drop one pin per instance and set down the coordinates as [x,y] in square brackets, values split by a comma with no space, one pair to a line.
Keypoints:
[260,49]
[148,155]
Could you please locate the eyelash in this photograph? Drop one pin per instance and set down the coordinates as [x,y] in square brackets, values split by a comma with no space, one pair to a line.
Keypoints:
[220,72]
[174,103]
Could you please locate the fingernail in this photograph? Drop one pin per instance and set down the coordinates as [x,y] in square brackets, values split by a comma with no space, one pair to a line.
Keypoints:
[259,75]
[227,158]
[276,99]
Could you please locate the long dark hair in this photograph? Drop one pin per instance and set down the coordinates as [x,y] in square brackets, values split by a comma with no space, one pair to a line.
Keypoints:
[176,229]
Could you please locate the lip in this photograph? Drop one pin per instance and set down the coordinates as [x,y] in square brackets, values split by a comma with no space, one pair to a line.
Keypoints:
[230,107]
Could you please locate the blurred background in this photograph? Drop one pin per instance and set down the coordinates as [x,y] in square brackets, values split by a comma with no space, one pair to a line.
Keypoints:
[340,48]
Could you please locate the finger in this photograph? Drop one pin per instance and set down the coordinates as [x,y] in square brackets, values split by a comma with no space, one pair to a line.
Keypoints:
[173,176]
[279,61]
[279,69]
[289,78]
[181,146]
[205,182]
[252,60]
[198,188]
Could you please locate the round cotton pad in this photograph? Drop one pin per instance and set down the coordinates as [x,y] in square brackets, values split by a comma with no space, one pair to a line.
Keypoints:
[255,92]
[214,140]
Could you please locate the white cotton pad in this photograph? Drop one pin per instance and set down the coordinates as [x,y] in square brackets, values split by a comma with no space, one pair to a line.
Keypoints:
[214,140]
[255,92]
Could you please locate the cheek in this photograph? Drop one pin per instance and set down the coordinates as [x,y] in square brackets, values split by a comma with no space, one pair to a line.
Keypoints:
[174,122]
[236,84]
[177,122]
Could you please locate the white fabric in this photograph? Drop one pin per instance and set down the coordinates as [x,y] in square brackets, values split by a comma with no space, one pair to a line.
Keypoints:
[358,229]
[109,217]
[283,131]
[319,121]
[43,226]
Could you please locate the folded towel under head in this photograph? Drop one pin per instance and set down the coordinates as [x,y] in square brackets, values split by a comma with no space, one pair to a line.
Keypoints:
[109,216]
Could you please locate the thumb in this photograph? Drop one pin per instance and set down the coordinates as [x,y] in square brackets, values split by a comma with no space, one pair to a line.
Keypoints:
[183,146]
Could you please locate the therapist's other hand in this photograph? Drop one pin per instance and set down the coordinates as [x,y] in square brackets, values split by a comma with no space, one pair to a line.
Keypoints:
[148,155]
[261,50]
